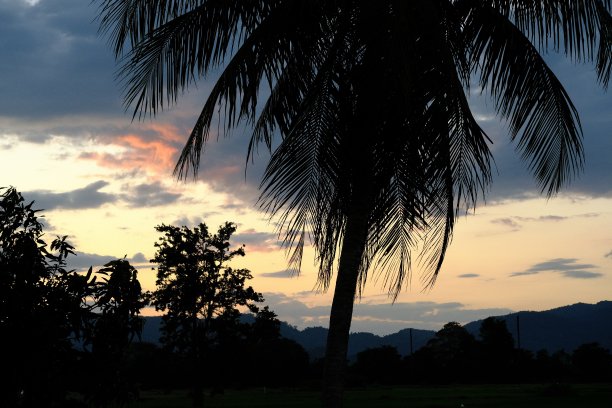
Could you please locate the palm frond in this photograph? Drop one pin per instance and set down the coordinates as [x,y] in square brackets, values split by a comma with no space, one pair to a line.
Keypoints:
[604,54]
[298,184]
[436,159]
[526,91]
[268,53]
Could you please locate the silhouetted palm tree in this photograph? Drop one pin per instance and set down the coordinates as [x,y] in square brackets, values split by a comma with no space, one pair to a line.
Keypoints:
[378,149]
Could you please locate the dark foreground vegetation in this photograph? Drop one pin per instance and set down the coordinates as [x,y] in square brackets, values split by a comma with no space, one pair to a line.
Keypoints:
[72,339]
[468,396]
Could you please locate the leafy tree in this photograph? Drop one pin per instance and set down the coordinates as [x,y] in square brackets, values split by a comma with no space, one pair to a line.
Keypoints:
[266,326]
[278,361]
[379,148]
[592,362]
[453,350]
[495,336]
[42,307]
[118,299]
[497,347]
[197,289]
[378,365]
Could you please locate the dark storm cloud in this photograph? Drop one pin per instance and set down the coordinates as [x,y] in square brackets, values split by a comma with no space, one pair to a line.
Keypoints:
[379,318]
[86,197]
[566,267]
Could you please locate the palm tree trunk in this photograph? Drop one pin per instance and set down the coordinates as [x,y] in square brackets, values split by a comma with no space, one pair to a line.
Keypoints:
[353,246]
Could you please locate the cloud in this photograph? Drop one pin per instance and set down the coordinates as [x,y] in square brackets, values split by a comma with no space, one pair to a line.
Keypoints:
[139,257]
[89,196]
[189,222]
[608,255]
[469,275]
[139,195]
[566,267]
[543,218]
[62,70]
[379,318]
[284,274]
[582,274]
[58,62]
[83,260]
[257,241]
[515,222]
[507,222]
[149,195]
[152,148]
[513,180]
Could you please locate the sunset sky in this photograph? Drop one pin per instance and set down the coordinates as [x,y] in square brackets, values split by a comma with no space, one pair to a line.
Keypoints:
[67,142]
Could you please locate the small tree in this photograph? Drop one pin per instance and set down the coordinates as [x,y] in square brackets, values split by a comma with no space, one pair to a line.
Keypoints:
[194,286]
[118,298]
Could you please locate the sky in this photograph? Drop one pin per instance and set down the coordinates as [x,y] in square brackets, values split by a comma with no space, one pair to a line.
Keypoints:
[68,143]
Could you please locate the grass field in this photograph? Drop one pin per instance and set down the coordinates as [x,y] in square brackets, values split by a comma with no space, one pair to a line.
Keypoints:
[467,396]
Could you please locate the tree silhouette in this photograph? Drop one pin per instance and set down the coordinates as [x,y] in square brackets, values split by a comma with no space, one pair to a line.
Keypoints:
[278,361]
[118,299]
[195,286]
[497,349]
[453,352]
[378,365]
[42,308]
[379,149]
[592,362]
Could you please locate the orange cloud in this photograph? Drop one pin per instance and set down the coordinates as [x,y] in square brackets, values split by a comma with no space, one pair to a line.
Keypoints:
[152,148]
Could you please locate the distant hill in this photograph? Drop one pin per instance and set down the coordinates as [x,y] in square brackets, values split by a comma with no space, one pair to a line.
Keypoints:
[563,328]
[313,340]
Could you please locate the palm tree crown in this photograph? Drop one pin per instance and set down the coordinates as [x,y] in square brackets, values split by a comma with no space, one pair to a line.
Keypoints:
[378,144]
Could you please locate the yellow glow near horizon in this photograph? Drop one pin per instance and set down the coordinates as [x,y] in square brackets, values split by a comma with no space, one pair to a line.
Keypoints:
[497,241]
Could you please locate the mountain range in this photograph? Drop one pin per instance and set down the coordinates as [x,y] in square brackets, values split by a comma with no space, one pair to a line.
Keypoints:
[562,328]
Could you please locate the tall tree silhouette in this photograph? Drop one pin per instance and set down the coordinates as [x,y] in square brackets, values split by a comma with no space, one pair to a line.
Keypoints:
[195,285]
[378,149]
[42,307]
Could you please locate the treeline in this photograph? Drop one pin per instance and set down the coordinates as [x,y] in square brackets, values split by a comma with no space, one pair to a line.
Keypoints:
[453,355]
[71,339]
